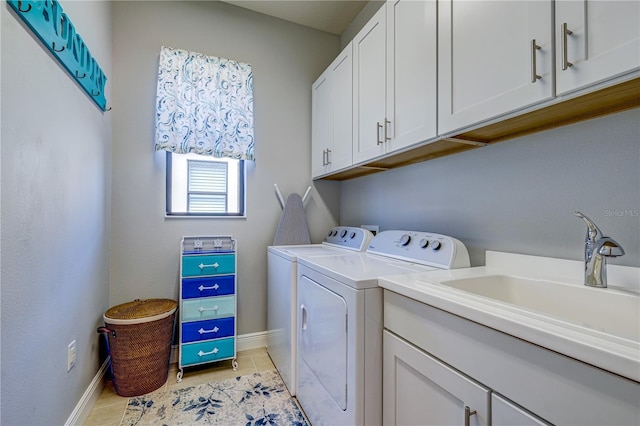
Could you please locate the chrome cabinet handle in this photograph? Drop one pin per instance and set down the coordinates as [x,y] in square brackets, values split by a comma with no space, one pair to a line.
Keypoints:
[468,412]
[379,126]
[534,74]
[324,157]
[565,55]
[328,157]
[386,130]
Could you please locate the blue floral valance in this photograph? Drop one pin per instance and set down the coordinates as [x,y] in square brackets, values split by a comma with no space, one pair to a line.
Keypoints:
[204,105]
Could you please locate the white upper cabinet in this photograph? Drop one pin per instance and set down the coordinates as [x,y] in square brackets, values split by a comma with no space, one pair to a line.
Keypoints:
[395,79]
[596,40]
[494,57]
[369,70]
[332,121]
[412,48]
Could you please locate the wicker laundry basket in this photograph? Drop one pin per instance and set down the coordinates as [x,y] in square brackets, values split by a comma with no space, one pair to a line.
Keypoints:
[140,335]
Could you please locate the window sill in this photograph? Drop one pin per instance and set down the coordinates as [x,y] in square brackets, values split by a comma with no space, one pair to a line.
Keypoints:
[178,216]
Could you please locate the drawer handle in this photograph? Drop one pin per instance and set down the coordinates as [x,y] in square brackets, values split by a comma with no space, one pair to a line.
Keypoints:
[203,309]
[213,352]
[214,287]
[468,412]
[213,330]
[214,265]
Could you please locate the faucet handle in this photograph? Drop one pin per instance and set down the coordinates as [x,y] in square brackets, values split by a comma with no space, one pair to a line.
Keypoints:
[609,247]
[592,228]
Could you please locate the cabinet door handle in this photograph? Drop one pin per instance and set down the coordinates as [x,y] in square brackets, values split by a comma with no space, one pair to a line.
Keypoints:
[565,55]
[379,126]
[386,130]
[324,157]
[468,412]
[328,157]
[534,74]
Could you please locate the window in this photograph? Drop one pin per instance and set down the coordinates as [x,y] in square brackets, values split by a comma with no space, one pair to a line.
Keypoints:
[199,185]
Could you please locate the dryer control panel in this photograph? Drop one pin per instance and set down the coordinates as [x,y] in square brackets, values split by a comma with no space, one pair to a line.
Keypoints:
[348,237]
[425,248]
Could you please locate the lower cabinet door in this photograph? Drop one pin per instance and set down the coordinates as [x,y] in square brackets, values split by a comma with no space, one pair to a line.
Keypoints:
[420,390]
[506,413]
[212,350]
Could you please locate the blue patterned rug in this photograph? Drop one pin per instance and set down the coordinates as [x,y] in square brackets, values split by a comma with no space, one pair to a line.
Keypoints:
[256,399]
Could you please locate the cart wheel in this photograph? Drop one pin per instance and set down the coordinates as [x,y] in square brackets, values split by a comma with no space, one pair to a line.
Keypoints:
[234,363]
[179,376]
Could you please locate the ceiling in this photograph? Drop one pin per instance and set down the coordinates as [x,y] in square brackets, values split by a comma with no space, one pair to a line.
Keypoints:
[332,16]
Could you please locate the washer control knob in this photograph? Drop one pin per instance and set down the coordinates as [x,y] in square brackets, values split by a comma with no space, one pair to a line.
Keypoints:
[405,240]
[343,233]
[424,243]
[436,245]
[353,235]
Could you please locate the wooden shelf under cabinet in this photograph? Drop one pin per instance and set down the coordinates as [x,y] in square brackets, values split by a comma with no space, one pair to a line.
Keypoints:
[609,100]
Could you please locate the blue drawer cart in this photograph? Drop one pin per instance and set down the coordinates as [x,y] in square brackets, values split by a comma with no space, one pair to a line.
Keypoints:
[208,301]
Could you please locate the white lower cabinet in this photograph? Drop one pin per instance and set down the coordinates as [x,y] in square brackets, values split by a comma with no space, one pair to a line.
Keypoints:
[442,369]
[420,390]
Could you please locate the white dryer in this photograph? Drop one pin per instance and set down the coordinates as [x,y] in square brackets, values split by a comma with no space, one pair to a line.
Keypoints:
[282,292]
[339,376]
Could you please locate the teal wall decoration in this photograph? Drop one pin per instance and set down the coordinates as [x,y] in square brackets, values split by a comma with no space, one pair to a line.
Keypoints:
[54,28]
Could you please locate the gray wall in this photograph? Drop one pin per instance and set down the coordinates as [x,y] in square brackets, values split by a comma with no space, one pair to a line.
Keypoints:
[286,59]
[55,186]
[517,196]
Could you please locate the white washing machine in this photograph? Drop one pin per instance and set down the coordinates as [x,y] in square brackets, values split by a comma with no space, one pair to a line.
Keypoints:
[282,292]
[339,359]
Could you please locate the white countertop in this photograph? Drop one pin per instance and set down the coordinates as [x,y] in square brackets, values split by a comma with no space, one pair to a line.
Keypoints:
[620,355]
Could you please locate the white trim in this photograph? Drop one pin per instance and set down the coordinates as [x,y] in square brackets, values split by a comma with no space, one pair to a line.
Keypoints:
[251,341]
[89,398]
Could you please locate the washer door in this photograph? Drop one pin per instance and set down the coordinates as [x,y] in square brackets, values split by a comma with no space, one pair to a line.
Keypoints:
[323,337]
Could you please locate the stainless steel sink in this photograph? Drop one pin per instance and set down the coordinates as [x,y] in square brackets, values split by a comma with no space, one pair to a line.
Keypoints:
[607,310]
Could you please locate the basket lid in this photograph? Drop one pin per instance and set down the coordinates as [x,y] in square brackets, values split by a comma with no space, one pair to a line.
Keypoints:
[140,311]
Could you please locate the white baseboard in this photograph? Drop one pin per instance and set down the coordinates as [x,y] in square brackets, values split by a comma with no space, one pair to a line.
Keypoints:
[89,398]
[80,413]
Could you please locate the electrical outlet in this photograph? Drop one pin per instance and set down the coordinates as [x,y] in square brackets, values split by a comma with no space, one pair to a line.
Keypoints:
[71,355]
[373,228]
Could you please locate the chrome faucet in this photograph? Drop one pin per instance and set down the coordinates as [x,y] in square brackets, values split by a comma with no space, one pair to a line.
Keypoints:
[597,248]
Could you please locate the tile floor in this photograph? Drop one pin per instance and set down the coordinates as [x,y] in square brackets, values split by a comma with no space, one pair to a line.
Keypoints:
[109,408]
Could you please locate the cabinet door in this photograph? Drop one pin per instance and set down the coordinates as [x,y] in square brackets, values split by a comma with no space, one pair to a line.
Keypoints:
[332,118]
[601,40]
[486,59]
[420,390]
[341,151]
[322,122]
[369,70]
[411,72]
[505,413]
